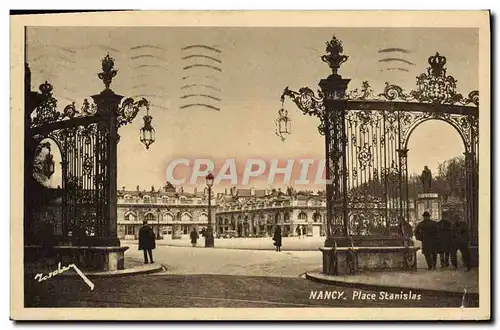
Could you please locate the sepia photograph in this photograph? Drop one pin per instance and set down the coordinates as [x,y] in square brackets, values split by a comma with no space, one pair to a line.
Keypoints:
[331,166]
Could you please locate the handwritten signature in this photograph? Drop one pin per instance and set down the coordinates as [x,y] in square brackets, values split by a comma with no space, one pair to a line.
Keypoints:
[40,277]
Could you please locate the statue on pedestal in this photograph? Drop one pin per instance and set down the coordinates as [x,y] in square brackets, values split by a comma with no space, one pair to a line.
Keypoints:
[426,179]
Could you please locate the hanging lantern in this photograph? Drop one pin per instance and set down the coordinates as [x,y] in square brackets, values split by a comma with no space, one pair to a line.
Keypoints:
[283,124]
[210,180]
[147,131]
[48,165]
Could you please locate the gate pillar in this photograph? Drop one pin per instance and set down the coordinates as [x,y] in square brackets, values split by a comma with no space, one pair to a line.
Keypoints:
[333,89]
[471,209]
[107,103]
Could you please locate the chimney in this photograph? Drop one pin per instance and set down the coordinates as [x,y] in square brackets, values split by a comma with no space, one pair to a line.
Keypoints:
[225,191]
[195,190]
[138,188]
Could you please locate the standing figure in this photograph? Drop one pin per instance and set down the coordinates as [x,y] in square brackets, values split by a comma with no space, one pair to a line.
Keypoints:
[299,231]
[277,238]
[406,230]
[426,232]
[444,242]
[304,231]
[147,241]
[426,179]
[194,237]
[460,242]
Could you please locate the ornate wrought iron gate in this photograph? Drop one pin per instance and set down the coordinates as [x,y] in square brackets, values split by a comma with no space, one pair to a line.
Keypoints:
[366,140]
[87,141]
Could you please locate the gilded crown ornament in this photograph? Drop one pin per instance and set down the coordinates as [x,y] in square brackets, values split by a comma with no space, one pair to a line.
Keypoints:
[334,58]
[108,71]
[46,88]
[437,63]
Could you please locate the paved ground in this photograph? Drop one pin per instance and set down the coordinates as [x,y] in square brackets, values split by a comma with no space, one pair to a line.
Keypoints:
[261,243]
[189,261]
[445,280]
[208,291]
[201,277]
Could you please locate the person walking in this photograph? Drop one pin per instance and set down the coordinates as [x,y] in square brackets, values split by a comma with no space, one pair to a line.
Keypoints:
[277,238]
[460,242]
[444,241]
[147,241]
[194,237]
[426,232]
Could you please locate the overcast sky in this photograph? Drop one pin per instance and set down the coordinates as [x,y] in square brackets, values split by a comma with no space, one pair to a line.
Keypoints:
[256,64]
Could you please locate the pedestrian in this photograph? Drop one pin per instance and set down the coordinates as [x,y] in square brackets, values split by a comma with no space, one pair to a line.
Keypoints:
[460,242]
[194,237]
[147,241]
[277,238]
[406,230]
[426,232]
[299,231]
[444,240]
[304,231]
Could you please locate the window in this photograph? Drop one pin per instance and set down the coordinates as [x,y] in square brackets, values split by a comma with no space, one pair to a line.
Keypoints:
[130,217]
[164,199]
[186,217]
[203,217]
[302,216]
[167,217]
[317,217]
[149,217]
[129,230]
[147,199]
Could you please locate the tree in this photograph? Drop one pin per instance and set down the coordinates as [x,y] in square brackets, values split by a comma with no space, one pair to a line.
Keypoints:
[41,152]
[448,182]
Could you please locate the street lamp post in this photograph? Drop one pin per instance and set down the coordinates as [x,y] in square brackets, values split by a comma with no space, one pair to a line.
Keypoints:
[209,235]
[158,231]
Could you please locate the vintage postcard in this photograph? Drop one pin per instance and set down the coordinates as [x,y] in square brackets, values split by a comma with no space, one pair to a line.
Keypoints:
[250,166]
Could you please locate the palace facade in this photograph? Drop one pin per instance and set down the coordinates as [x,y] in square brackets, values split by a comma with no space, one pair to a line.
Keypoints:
[168,210]
[255,213]
[235,213]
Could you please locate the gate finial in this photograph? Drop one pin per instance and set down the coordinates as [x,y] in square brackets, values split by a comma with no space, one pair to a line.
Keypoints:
[334,58]
[108,71]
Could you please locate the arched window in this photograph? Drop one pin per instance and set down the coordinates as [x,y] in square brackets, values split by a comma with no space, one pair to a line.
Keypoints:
[164,199]
[302,216]
[128,198]
[130,216]
[147,199]
[149,217]
[168,217]
[316,217]
[186,217]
